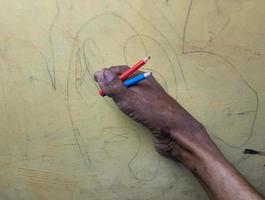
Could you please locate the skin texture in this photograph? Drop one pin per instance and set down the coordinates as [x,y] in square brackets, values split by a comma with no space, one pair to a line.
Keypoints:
[176,134]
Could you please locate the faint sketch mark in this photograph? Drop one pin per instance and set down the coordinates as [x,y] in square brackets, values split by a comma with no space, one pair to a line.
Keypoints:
[52,72]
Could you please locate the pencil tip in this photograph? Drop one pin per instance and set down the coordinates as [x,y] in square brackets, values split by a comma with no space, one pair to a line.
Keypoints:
[146,74]
[146,59]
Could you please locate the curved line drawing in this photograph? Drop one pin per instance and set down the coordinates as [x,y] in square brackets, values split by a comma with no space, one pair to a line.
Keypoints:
[121,138]
[116,139]
[78,137]
[133,172]
[233,67]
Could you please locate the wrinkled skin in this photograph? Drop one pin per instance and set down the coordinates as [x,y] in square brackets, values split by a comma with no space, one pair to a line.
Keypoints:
[176,134]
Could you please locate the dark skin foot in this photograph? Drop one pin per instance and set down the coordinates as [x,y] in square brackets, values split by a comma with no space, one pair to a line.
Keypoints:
[176,134]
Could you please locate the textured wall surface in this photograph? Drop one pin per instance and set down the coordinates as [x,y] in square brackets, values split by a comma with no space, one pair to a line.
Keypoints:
[61,140]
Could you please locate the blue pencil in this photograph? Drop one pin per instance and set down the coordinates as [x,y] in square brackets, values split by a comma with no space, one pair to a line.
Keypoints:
[133,81]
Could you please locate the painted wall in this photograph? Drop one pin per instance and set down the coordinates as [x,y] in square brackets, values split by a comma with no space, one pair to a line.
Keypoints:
[61,140]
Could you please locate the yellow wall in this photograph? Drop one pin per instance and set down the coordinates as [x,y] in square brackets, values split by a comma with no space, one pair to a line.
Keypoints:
[60,140]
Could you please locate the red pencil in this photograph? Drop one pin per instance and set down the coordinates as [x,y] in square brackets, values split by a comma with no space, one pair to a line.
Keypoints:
[130,71]
[134,68]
